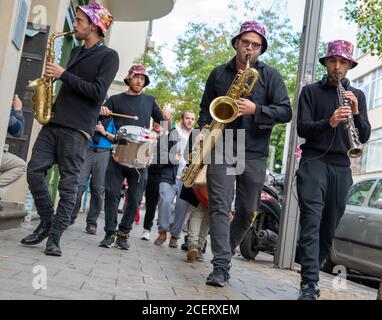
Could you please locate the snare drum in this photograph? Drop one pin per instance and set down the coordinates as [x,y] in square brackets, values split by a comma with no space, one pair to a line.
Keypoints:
[134,147]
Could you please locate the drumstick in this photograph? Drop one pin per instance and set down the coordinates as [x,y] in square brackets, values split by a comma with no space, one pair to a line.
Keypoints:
[123,116]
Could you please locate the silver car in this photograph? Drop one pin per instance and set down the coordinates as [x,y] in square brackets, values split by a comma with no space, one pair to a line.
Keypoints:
[358,239]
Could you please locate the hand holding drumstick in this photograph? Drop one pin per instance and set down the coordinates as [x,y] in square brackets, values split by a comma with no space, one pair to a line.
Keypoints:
[105,111]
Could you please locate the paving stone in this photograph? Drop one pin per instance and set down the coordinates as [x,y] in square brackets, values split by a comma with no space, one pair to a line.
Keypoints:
[144,272]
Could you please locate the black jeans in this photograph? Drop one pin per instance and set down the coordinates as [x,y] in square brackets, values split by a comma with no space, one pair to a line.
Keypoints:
[152,199]
[115,174]
[322,189]
[65,147]
[225,237]
[95,166]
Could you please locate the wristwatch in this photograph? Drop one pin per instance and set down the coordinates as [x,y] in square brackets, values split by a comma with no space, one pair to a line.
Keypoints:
[106,134]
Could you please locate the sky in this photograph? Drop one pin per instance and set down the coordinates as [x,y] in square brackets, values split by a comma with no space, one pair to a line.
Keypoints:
[167,29]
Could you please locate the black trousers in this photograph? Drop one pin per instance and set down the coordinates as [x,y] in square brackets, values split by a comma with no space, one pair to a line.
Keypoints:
[322,189]
[152,199]
[225,237]
[115,174]
[65,147]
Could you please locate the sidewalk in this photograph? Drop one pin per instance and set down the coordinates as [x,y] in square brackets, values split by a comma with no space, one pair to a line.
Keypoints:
[144,272]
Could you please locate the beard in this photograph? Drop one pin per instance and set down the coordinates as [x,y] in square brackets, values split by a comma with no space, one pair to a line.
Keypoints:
[136,88]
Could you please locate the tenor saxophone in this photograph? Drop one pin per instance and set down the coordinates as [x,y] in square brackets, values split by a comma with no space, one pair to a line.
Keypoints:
[42,99]
[223,110]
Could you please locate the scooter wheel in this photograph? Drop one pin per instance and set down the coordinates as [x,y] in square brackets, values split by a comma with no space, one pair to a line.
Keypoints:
[248,245]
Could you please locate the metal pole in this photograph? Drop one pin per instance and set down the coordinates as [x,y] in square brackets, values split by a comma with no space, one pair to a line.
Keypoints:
[288,231]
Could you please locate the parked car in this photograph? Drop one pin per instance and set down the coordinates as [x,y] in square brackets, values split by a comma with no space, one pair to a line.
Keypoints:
[358,239]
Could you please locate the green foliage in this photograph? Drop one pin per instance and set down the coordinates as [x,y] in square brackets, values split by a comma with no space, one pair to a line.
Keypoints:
[367,14]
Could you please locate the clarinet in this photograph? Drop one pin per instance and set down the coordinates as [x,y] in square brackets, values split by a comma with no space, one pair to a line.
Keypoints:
[355,150]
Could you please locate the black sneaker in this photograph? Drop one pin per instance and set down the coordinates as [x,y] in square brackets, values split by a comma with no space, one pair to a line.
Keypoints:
[218,278]
[309,291]
[108,241]
[121,241]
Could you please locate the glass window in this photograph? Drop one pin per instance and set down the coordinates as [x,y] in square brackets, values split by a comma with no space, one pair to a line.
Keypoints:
[358,192]
[370,84]
[376,197]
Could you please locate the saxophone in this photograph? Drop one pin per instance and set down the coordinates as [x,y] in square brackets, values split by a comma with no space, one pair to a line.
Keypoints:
[223,110]
[42,99]
[355,150]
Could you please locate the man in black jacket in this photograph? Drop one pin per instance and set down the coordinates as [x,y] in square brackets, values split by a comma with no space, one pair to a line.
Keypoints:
[324,175]
[88,75]
[267,105]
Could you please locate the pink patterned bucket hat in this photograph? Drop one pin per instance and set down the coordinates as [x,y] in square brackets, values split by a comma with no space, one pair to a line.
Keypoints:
[99,15]
[340,48]
[137,69]
[254,26]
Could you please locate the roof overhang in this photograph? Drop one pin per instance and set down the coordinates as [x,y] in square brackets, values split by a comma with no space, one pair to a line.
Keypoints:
[140,10]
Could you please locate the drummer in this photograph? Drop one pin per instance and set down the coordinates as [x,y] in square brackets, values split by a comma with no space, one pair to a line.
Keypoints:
[133,102]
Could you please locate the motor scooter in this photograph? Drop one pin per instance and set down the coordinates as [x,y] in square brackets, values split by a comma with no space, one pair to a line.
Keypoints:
[263,233]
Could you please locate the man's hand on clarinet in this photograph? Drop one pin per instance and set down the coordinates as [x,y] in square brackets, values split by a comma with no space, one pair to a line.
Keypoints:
[341,114]
[53,70]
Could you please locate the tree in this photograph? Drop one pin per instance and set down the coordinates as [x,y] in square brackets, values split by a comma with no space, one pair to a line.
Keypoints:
[197,52]
[367,14]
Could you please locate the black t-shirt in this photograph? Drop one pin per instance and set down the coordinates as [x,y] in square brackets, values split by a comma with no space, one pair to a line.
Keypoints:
[143,106]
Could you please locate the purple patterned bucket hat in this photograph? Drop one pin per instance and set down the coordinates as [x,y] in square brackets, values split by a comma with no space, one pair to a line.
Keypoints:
[340,48]
[99,15]
[254,26]
[137,69]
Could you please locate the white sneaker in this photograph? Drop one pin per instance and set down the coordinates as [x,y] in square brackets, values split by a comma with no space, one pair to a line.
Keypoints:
[145,235]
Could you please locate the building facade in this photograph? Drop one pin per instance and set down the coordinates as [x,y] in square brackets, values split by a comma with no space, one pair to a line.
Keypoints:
[368,77]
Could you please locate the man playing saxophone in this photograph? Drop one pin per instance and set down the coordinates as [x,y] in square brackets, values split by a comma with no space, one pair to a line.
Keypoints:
[63,141]
[266,105]
[324,175]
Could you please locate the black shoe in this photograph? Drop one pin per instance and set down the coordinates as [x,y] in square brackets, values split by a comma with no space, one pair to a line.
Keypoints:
[41,232]
[91,229]
[53,245]
[309,291]
[218,278]
[121,241]
[108,241]
[204,247]
[184,246]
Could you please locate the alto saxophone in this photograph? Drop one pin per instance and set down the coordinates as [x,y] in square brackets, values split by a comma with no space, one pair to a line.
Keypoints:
[355,150]
[42,99]
[223,110]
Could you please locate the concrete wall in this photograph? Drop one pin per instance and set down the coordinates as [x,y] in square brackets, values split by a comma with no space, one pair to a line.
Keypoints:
[9,67]
[43,13]
[129,40]
[9,63]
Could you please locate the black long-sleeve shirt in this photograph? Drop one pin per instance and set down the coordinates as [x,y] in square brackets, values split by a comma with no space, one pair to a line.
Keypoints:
[271,99]
[87,78]
[317,104]
[143,106]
